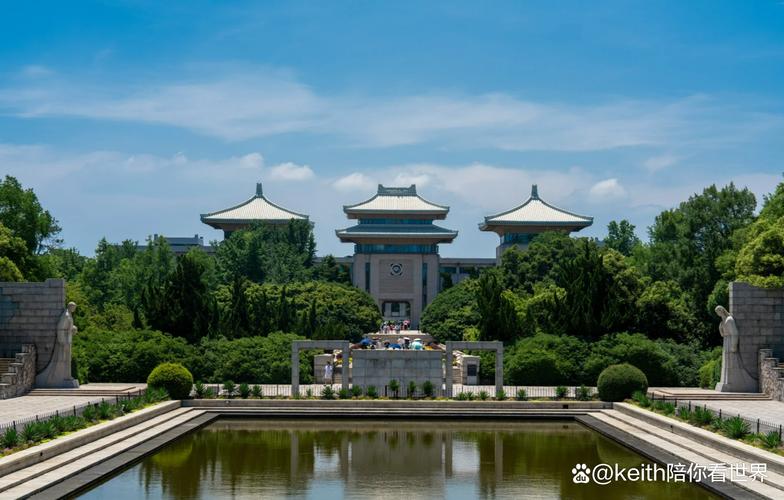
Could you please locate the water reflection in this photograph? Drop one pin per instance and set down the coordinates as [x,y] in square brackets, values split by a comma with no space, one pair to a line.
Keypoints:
[393,459]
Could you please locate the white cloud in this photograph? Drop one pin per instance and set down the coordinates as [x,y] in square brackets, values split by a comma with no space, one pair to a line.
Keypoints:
[660,162]
[607,190]
[35,71]
[240,104]
[291,172]
[251,160]
[354,182]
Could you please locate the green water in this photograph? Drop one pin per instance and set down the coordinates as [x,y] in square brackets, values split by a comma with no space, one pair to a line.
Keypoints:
[335,459]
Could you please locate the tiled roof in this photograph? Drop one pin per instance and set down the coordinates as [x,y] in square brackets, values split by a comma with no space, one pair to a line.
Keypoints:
[396,200]
[397,230]
[257,208]
[537,212]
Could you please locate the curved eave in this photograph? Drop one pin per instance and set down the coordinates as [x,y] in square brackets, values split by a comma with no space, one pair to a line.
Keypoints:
[216,223]
[350,237]
[488,225]
[357,207]
[577,217]
[293,215]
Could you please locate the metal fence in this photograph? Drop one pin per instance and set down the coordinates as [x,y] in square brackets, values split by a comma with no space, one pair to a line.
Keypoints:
[75,410]
[315,390]
[756,425]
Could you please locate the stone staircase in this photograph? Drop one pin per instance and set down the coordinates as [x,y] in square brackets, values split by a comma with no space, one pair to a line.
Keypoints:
[679,442]
[17,373]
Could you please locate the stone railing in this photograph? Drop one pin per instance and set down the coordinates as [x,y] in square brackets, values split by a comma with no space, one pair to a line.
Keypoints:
[20,374]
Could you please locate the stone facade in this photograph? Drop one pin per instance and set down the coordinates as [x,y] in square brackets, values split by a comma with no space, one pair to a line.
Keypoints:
[378,367]
[28,315]
[759,316]
[771,375]
[19,378]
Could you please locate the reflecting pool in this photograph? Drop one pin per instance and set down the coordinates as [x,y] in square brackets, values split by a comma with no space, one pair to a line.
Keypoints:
[335,459]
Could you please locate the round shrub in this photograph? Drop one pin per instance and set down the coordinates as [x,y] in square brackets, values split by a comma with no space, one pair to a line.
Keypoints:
[619,382]
[174,378]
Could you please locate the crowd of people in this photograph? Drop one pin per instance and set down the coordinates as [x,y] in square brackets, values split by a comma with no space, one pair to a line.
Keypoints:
[394,326]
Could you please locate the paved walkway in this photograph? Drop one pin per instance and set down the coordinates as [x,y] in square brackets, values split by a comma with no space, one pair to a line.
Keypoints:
[771,412]
[26,407]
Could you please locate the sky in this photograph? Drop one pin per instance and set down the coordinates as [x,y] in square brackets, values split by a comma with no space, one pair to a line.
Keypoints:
[131,118]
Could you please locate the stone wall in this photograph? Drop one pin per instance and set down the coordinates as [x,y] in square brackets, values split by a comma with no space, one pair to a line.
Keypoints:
[21,373]
[771,372]
[28,315]
[378,367]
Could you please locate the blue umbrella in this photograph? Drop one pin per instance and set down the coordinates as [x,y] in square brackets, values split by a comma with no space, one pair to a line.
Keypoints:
[365,342]
[395,346]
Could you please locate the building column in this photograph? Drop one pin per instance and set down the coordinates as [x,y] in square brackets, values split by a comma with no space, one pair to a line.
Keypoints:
[499,368]
[295,368]
[448,370]
[345,374]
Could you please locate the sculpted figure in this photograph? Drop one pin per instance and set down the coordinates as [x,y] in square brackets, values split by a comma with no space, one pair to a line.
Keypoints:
[734,376]
[58,372]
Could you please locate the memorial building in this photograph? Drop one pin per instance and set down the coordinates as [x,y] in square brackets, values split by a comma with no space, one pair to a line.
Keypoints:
[396,258]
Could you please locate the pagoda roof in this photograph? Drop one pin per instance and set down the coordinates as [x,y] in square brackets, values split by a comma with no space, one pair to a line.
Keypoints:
[392,231]
[258,208]
[396,200]
[537,212]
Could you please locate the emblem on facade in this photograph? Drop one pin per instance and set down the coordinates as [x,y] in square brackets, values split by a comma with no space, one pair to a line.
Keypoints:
[396,269]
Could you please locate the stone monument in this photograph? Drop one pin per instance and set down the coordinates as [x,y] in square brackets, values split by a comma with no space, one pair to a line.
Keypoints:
[734,375]
[57,373]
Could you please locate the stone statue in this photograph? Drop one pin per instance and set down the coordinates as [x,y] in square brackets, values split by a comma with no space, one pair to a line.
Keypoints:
[734,376]
[58,372]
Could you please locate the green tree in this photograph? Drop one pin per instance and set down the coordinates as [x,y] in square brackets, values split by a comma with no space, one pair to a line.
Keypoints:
[452,312]
[521,270]
[621,237]
[13,255]
[587,286]
[497,313]
[22,213]
[761,260]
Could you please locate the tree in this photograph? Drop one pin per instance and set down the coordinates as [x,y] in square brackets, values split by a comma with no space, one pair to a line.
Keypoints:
[13,255]
[452,312]
[183,305]
[621,237]
[284,312]
[497,313]
[587,286]
[235,321]
[522,269]
[761,261]
[22,213]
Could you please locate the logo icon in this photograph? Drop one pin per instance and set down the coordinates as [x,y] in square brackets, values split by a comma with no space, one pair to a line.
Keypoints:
[580,474]
[396,269]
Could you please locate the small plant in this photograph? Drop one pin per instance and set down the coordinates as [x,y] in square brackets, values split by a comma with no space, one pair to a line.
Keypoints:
[371,392]
[394,387]
[668,408]
[174,378]
[641,399]
[701,416]
[356,391]
[90,414]
[309,393]
[683,413]
[427,389]
[735,427]
[47,430]
[209,393]
[105,411]
[244,391]
[327,392]
[583,393]
[771,440]
[344,394]
[470,396]
[484,395]
[31,433]
[59,423]
[73,423]
[411,390]
[561,392]
[500,395]
[462,396]
[200,390]
[255,391]
[10,438]
[521,395]
[229,388]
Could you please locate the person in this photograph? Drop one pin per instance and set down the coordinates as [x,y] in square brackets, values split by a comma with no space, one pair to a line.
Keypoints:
[328,373]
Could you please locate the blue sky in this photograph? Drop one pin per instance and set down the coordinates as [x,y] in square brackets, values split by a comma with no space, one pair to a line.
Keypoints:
[132,118]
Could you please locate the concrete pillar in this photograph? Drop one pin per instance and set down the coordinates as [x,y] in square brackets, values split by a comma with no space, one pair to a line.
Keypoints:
[345,372]
[499,369]
[295,368]
[448,370]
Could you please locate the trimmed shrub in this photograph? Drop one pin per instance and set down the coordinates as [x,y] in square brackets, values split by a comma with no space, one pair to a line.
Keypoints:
[521,395]
[255,391]
[327,392]
[427,389]
[174,378]
[344,394]
[500,395]
[244,390]
[618,382]
[371,392]
[229,388]
[484,395]
[356,391]
[561,392]
[582,393]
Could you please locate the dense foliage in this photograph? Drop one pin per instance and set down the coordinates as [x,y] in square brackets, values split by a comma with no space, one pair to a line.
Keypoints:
[453,313]
[619,382]
[174,378]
